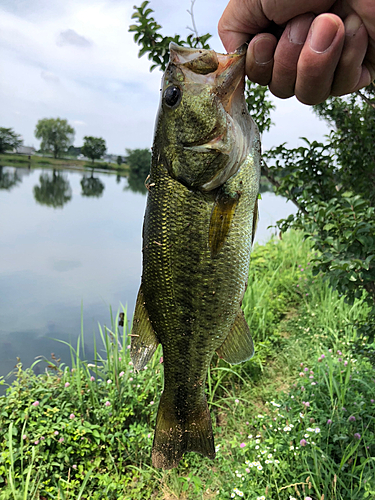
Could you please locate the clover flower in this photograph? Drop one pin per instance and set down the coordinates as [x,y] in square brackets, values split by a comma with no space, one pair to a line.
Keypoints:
[303,442]
[36,403]
[92,379]
[351,418]
[357,435]
[329,421]
[107,403]
[121,374]
[242,445]
[72,416]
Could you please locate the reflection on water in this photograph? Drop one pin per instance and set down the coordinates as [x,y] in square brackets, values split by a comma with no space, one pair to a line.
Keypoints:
[136,182]
[8,178]
[53,189]
[69,238]
[92,186]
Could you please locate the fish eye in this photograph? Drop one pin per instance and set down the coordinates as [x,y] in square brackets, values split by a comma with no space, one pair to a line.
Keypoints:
[172,96]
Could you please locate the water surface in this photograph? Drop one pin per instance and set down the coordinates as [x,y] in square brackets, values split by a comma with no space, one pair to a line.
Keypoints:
[69,238]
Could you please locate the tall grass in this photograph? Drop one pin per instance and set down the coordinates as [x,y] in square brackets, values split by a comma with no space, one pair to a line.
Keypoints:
[85,430]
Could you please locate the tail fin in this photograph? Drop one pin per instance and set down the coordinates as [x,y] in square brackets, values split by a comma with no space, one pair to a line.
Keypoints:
[175,435]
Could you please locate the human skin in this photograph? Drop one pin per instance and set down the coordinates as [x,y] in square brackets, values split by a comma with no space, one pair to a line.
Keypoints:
[311,49]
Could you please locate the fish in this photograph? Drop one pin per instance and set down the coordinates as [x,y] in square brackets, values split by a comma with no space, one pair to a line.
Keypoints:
[198,230]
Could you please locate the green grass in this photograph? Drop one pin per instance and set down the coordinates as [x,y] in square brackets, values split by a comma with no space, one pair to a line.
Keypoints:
[296,421]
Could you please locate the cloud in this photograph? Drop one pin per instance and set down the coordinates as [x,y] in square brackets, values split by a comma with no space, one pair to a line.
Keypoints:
[71,37]
[78,123]
[49,77]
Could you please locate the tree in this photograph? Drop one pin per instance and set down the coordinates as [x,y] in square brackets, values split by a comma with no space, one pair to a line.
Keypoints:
[56,134]
[139,161]
[9,140]
[332,184]
[119,160]
[93,147]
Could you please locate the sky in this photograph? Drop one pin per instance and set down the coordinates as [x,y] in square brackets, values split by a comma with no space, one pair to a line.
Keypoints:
[75,59]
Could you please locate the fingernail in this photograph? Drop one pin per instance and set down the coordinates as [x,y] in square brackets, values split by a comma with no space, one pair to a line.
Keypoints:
[263,50]
[352,25]
[298,31]
[321,40]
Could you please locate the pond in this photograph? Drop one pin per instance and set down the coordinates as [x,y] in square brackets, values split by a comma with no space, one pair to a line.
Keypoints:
[70,241]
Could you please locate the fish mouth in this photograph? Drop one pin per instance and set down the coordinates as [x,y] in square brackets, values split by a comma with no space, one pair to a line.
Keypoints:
[224,73]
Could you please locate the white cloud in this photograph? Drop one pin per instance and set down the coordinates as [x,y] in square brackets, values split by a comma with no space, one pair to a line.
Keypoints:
[71,37]
[104,85]
[49,77]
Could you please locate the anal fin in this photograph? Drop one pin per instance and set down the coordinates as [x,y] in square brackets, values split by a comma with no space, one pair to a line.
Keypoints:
[143,339]
[238,346]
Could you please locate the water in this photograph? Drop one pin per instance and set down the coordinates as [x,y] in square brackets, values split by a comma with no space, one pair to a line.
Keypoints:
[69,238]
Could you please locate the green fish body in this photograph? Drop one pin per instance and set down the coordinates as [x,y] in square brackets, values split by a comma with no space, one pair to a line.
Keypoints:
[197,235]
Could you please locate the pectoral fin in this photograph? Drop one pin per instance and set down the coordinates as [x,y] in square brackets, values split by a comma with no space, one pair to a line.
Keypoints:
[143,339]
[238,346]
[221,219]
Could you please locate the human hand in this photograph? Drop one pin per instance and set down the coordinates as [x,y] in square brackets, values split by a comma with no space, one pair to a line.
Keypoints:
[326,47]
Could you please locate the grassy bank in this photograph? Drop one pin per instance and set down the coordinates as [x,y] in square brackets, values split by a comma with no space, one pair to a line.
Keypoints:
[66,163]
[296,421]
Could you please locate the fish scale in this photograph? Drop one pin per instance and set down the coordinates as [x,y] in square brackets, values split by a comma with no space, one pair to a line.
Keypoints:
[196,246]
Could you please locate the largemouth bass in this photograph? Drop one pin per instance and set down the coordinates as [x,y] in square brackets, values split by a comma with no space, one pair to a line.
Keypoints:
[197,234]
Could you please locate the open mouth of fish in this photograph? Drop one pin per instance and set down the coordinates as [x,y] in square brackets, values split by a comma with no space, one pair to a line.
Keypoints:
[223,72]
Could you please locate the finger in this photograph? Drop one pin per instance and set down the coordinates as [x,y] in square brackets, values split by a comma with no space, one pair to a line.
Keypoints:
[350,75]
[369,61]
[319,58]
[242,18]
[286,55]
[259,58]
